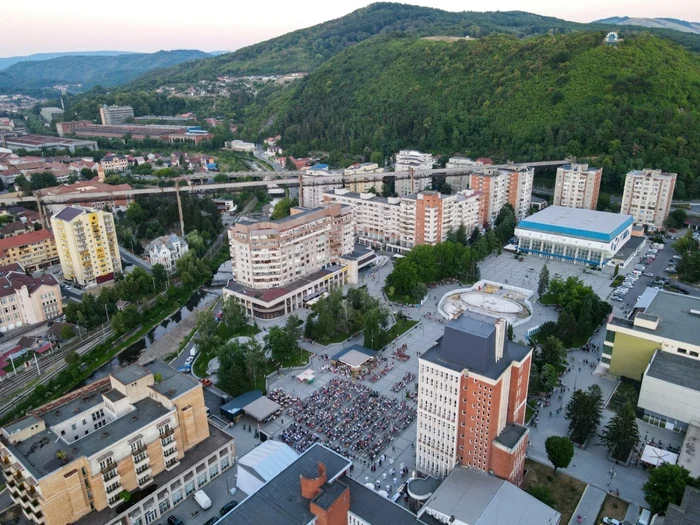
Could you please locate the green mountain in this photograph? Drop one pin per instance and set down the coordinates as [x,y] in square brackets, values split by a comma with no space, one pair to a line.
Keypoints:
[664,23]
[91,70]
[6,62]
[633,105]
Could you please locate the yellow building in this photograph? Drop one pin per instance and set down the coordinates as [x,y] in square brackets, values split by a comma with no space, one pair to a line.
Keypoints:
[34,250]
[87,245]
[26,300]
[73,459]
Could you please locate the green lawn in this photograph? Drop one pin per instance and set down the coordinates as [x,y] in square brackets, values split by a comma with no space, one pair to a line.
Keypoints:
[401,327]
[401,299]
[547,299]
[529,412]
[565,490]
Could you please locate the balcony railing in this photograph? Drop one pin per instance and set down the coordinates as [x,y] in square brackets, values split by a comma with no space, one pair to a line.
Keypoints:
[167,432]
[136,451]
[140,459]
[109,467]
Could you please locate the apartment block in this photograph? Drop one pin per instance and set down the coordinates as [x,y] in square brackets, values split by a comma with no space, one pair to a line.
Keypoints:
[577,186]
[114,163]
[414,162]
[399,223]
[499,187]
[280,264]
[87,245]
[315,183]
[34,250]
[647,196]
[359,171]
[459,183]
[145,425]
[472,393]
[27,300]
[115,115]
[92,195]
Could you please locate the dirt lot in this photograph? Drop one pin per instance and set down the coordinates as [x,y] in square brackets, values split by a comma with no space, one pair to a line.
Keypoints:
[566,491]
[612,508]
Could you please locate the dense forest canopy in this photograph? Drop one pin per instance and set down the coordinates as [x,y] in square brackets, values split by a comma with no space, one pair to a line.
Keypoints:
[628,106]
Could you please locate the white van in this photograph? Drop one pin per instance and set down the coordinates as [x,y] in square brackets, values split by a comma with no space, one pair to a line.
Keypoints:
[193,351]
[644,517]
[202,499]
[637,272]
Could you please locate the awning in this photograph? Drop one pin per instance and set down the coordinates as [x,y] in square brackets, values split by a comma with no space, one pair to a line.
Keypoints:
[306,375]
[261,408]
[658,456]
[354,359]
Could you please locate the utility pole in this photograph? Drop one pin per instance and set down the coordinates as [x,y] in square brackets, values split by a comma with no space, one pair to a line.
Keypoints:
[410,172]
[301,191]
[179,207]
[36,362]
[42,219]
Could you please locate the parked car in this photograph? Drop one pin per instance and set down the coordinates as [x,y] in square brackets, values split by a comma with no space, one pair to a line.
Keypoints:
[174,520]
[648,274]
[676,257]
[205,382]
[611,521]
[617,298]
[202,499]
[188,361]
[211,521]
[228,507]
[670,270]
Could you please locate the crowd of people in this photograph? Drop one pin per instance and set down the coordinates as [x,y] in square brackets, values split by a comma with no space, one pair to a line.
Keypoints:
[282,398]
[405,380]
[348,417]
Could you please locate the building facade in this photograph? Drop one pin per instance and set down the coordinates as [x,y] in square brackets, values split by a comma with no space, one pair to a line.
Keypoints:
[357,171]
[26,300]
[574,235]
[87,245]
[115,115]
[280,264]
[412,161]
[48,114]
[577,186]
[399,223]
[647,196]
[93,194]
[34,250]
[166,250]
[472,393]
[141,426]
[499,187]
[114,163]
[315,183]
[458,183]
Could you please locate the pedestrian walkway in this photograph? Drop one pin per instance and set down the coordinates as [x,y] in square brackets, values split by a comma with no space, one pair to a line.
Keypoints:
[632,513]
[588,507]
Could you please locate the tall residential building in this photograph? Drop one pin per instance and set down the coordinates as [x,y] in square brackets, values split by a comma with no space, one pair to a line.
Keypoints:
[407,160]
[87,189]
[577,186]
[359,171]
[472,393]
[315,183]
[33,250]
[166,250]
[87,245]
[400,223]
[499,187]
[142,426]
[280,264]
[27,300]
[459,183]
[647,196]
[115,115]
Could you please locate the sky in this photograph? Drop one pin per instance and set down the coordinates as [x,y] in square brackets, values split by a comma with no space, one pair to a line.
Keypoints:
[47,26]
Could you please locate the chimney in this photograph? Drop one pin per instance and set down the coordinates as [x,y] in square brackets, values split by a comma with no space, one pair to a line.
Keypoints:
[310,487]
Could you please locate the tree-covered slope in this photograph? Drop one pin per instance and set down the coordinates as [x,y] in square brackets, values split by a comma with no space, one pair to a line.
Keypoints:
[632,105]
[92,70]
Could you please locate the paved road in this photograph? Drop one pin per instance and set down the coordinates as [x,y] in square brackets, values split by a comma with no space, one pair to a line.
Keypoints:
[133,259]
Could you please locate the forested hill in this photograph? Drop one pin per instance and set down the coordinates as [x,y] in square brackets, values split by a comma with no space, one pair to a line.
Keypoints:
[306,49]
[92,70]
[636,104]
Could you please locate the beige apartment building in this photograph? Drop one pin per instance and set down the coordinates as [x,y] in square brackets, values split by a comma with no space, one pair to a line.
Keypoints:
[33,250]
[410,160]
[399,223]
[499,187]
[358,171]
[26,300]
[647,196]
[280,264]
[115,115]
[577,186]
[87,245]
[71,460]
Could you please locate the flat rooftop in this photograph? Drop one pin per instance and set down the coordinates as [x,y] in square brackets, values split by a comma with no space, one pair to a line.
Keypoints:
[632,245]
[511,435]
[573,222]
[38,453]
[675,369]
[173,383]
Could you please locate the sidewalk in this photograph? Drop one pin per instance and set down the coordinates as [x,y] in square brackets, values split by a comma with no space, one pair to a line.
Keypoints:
[588,507]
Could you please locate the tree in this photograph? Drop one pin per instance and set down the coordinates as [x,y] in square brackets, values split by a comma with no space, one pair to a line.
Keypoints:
[666,485]
[232,374]
[548,377]
[583,412]
[283,207]
[135,213]
[551,351]
[292,328]
[510,332]
[195,242]
[67,332]
[233,314]
[72,357]
[254,359]
[206,331]
[621,434]
[461,235]
[375,335]
[289,164]
[278,343]
[221,178]
[560,450]
[543,285]
[676,219]
[160,274]
[616,270]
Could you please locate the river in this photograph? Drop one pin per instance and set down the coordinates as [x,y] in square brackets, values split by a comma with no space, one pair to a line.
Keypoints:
[133,352]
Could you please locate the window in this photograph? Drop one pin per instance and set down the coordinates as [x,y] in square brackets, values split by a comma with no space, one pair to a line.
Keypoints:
[189,488]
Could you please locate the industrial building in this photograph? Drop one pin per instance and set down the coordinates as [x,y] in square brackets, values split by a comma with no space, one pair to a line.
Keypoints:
[574,235]
[115,115]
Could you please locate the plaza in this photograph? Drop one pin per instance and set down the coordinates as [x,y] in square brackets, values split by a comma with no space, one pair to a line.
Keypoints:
[489,298]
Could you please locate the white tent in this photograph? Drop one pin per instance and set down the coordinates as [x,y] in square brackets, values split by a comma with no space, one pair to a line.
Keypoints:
[261,408]
[307,375]
[657,456]
[262,464]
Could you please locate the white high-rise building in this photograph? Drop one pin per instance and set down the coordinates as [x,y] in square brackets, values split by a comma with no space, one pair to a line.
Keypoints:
[577,186]
[115,115]
[412,160]
[458,183]
[647,196]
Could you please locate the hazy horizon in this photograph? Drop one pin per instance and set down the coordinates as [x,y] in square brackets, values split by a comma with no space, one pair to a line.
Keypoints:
[80,26]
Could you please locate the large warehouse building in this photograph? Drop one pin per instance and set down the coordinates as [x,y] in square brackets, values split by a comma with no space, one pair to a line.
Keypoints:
[574,235]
